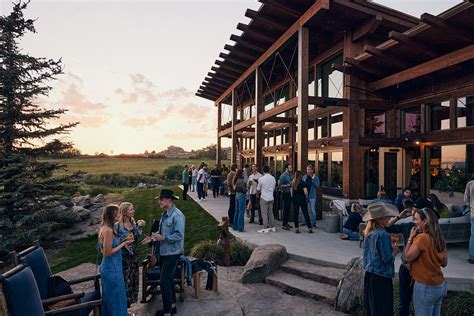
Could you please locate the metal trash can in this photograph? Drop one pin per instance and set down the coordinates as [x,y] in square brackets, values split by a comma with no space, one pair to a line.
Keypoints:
[332,223]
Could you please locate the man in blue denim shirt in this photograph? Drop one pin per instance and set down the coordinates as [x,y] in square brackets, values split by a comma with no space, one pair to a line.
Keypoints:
[312,181]
[171,238]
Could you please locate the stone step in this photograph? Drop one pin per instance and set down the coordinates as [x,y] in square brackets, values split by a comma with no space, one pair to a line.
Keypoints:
[317,273]
[301,286]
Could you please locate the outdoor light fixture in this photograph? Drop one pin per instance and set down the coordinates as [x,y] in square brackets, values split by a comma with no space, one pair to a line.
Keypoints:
[324,144]
[418,141]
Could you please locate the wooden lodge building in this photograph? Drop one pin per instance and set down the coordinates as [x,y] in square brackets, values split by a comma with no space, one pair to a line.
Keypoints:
[371,96]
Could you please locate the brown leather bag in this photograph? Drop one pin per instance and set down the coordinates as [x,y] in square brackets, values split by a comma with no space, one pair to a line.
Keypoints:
[152,261]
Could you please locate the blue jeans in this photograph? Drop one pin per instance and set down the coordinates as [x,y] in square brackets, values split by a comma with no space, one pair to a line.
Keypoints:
[471,241]
[312,210]
[405,288]
[167,272]
[352,235]
[193,183]
[427,299]
[200,189]
[238,223]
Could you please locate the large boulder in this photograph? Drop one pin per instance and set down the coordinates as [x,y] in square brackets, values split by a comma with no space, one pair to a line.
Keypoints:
[350,291]
[82,200]
[264,260]
[99,199]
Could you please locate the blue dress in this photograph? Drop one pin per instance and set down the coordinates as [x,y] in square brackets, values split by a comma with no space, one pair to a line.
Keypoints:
[114,299]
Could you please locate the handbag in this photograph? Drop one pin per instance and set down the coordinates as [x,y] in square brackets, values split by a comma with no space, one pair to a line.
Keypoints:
[155,250]
[57,286]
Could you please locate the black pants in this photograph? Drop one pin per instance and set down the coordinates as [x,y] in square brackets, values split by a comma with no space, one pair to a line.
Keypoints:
[200,189]
[215,188]
[405,289]
[231,211]
[255,207]
[286,207]
[168,291]
[378,295]
[297,203]
[185,190]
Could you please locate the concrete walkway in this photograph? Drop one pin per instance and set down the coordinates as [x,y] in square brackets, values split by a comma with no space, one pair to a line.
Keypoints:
[327,248]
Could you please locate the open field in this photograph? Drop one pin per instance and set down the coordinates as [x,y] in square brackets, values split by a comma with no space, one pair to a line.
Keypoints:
[124,166]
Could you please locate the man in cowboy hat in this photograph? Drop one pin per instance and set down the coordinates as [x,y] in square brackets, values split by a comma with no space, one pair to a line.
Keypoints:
[170,234]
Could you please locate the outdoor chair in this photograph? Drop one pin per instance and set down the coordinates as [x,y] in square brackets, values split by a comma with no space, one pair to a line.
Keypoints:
[151,281]
[35,258]
[19,295]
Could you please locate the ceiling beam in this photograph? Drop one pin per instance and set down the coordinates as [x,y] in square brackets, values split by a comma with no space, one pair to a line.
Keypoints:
[244,63]
[222,81]
[441,24]
[282,7]
[414,43]
[237,52]
[210,88]
[265,20]
[445,61]
[367,28]
[247,44]
[221,76]
[235,68]
[232,73]
[209,83]
[363,67]
[276,119]
[352,72]
[321,6]
[256,34]
[374,51]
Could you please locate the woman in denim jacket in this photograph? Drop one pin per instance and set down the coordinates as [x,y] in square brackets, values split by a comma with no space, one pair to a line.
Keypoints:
[379,257]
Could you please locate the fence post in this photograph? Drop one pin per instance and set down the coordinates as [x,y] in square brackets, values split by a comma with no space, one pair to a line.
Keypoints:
[224,239]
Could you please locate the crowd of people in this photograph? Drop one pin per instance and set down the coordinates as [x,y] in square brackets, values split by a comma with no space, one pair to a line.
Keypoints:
[423,254]
[119,241]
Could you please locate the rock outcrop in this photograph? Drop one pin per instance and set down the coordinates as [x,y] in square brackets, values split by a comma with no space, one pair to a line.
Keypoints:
[264,260]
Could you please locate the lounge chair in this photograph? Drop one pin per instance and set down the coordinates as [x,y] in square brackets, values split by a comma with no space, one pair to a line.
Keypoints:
[151,281]
[19,295]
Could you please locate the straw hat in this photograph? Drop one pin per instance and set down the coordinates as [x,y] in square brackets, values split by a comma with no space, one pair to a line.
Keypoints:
[379,209]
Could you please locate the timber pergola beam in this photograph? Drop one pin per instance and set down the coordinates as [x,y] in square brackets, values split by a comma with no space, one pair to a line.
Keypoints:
[254,33]
[361,66]
[445,61]
[225,64]
[320,5]
[238,52]
[225,71]
[374,51]
[238,61]
[254,15]
[276,119]
[282,7]
[247,44]
[414,43]
[442,25]
[353,72]
[368,27]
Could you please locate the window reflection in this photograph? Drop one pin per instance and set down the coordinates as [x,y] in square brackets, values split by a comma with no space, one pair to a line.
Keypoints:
[437,116]
[411,120]
[336,124]
[336,170]
[374,123]
[322,127]
[465,111]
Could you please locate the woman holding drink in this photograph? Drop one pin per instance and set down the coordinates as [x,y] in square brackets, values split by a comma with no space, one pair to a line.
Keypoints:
[127,229]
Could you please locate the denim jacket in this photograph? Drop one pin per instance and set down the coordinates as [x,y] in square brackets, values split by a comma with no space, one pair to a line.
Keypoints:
[378,257]
[172,228]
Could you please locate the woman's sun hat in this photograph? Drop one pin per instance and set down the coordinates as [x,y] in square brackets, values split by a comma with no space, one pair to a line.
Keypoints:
[379,210]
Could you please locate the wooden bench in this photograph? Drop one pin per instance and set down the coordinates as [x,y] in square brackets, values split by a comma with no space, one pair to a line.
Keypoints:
[197,282]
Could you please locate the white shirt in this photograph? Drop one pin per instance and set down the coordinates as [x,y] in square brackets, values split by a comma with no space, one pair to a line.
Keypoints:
[252,185]
[469,196]
[266,187]
[202,175]
[195,173]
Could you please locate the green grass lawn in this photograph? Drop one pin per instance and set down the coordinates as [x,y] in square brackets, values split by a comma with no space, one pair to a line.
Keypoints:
[199,226]
[124,166]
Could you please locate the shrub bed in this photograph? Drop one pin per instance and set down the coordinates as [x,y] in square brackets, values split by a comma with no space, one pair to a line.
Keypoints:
[211,251]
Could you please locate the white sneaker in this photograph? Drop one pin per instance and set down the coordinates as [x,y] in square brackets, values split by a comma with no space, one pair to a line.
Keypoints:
[273,229]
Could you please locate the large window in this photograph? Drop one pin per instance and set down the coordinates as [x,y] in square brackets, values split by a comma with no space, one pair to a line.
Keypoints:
[336,170]
[437,116]
[374,122]
[311,130]
[268,102]
[330,172]
[465,111]
[282,94]
[322,127]
[411,120]
[330,82]
[371,173]
[451,167]
[336,124]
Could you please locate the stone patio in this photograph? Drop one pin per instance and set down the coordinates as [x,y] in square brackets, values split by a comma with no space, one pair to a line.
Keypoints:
[232,299]
[327,249]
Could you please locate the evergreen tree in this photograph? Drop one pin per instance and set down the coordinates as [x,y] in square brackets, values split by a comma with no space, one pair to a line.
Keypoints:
[28,189]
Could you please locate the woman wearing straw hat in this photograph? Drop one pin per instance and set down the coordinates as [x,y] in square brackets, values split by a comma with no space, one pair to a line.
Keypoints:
[379,257]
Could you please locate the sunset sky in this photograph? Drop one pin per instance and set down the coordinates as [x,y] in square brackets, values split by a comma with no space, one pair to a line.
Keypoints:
[132,67]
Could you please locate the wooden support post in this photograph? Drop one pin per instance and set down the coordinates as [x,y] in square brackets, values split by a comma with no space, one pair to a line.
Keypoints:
[258,125]
[224,239]
[292,130]
[453,120]
[218,145]
[233,149]
[352,179]
[425,161]
[302,110]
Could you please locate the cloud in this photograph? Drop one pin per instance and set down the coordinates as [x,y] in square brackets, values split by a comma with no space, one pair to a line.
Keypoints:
[142,90]
[191,134]
[71,96]
[142,122]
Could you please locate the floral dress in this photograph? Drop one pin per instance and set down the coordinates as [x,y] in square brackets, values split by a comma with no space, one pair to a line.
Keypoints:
[130,264]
